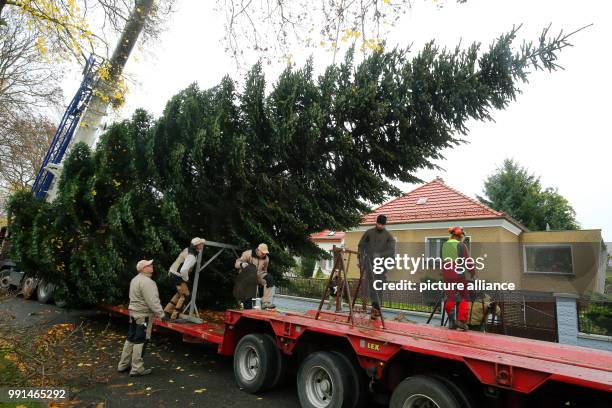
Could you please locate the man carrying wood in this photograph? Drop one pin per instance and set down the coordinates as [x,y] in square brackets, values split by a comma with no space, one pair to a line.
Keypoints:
[144,304]
[259,258]
[180,277]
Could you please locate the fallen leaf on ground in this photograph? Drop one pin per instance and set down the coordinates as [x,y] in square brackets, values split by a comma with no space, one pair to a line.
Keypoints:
[135,393]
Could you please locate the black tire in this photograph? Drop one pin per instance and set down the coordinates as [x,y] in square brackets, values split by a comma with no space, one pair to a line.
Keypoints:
[282,364]
[324,380]
[5,282]
[255,362]
[362,395]
[462,396]
[417,390]
[29,288]
[44,292]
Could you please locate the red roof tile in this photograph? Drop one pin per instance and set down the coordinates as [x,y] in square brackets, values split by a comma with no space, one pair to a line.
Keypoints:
[326,236]
[442,203]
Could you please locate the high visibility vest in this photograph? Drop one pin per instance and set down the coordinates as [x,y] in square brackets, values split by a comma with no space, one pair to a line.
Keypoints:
[450,250]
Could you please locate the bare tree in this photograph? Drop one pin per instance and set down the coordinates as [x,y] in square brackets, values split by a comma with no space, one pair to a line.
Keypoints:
[273,27]
[21,156]
[81,27]
[27,83]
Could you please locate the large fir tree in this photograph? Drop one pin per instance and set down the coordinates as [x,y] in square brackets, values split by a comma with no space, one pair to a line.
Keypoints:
[242,166]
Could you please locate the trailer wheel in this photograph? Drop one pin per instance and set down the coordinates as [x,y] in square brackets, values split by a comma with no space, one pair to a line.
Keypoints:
[282,364]
[423,392]
[44,292]
[29,288]
[461,395]
[360,381]
[325,380]
[255,362]
[5,280]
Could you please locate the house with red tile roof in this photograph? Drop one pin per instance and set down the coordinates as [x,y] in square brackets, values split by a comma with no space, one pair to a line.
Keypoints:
[550,261]
[326,240]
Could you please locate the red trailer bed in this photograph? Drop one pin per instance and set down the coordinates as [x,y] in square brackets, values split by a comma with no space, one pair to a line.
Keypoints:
[497,360]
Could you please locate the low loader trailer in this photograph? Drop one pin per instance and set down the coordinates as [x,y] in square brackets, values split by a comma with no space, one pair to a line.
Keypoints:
[344,364]
[348,360]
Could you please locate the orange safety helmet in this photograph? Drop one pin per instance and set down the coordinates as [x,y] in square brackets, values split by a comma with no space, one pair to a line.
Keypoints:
[456,231]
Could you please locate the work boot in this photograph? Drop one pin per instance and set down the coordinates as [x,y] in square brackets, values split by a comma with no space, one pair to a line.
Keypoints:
[462,326]
[124,370]
[268,305]
[142,373]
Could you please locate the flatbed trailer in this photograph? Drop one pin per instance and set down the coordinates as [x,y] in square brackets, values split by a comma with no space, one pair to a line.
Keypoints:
[406,364]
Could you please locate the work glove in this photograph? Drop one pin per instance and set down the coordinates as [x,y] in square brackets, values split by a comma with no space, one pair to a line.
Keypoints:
[244,265]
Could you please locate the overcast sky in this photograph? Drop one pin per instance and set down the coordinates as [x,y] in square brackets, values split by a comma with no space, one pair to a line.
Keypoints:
[558,127]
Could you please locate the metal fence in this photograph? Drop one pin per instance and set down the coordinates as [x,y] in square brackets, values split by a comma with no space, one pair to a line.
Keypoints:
[595,316]
[532,315]
[401,300]
[523,314]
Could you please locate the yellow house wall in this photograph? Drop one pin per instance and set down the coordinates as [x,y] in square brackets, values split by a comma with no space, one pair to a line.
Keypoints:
[504,257]
[412,242]
[586,252]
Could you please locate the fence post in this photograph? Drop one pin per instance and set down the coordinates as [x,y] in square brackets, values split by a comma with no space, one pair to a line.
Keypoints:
[567,318]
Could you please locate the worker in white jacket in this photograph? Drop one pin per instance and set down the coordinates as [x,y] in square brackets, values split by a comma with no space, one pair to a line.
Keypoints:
[144,305]
[185,261]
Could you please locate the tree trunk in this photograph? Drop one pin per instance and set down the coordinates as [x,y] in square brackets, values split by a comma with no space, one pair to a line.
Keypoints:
[2,4]
[87,131]
[96,110]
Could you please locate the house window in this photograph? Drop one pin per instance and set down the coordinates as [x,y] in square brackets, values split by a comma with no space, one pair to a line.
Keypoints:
[433,246]
[548,259]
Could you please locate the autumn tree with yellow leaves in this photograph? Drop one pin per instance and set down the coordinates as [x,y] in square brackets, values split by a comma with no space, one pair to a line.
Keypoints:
[38,38]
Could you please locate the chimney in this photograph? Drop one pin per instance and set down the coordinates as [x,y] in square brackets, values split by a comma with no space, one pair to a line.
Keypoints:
[440,179]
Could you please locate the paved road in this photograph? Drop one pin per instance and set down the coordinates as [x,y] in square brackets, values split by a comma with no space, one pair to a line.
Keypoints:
[184,374]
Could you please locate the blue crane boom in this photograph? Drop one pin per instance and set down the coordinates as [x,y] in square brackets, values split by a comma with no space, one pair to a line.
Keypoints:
[65,131]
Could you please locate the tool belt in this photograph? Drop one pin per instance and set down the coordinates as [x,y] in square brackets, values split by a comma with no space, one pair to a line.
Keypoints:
[137,333]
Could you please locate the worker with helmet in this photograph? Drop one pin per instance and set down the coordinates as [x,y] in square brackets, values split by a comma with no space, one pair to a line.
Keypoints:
[185,261]
[455,256]
[259,257]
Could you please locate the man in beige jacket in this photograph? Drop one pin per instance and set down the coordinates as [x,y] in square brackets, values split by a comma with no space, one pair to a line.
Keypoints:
[259,258]
[144,304]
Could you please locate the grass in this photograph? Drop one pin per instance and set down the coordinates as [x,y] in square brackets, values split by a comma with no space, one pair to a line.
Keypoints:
[9,374]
